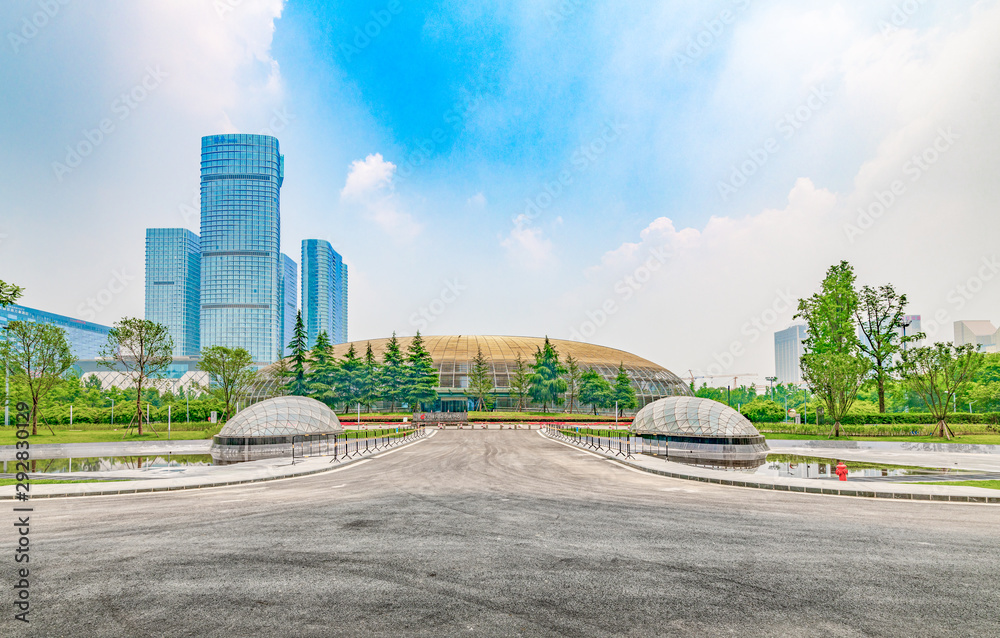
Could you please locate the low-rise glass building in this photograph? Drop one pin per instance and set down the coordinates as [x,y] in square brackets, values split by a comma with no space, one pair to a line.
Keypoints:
[269,428]
[85,338]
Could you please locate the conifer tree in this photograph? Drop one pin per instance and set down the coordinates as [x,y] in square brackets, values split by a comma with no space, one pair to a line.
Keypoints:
[481,381]
[392,376]
[547,384]
[421,377]
[296,385]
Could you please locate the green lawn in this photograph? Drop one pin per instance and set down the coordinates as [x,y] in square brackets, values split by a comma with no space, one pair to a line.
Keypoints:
[8,436]
[977,439]
[993,485]
[51,481]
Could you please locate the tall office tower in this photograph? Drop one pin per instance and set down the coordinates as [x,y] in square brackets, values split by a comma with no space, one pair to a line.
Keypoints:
[788,350]
[324,291]
[241,177]
[289,301]
[340,316]
[173,285]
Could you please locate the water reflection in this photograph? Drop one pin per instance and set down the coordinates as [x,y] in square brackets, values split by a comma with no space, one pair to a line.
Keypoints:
[795,466]
[112,463]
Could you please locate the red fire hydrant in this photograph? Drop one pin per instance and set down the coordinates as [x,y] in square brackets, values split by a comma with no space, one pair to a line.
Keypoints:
[842,471]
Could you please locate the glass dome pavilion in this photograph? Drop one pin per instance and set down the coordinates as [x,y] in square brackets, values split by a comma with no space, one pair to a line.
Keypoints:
[696,430]
[266,429]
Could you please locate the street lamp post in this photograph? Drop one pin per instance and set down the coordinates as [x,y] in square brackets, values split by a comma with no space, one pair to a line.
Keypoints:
[771,380]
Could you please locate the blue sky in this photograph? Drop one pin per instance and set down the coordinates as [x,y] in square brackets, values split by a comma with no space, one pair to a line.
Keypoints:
[719,152]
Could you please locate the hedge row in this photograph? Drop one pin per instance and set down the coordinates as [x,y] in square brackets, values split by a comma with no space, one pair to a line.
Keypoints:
[876,430]
[914,418]
[124,413]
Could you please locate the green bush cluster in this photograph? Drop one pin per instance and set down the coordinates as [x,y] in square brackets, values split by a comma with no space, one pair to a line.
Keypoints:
[915,429]
[124,413]
[904,418]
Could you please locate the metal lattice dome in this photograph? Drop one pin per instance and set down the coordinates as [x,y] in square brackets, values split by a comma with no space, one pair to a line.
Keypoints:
[283,416]
[692,416]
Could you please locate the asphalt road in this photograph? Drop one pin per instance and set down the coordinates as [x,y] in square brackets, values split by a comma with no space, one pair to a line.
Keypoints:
[502,533]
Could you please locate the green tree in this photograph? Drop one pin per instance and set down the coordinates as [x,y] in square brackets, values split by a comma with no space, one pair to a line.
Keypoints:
[832,364]
[937,373]
[547,384]
[572,382]
[596,391]
[624,393]
[368,385]
[350,379]
[392,375]
[880,315]
[142,349]
[984,390]
[421,376]
[296,374]
[765,410]
[519,382]
[231,373]
[322,376]
[481,381]
[9,293]
[37,356]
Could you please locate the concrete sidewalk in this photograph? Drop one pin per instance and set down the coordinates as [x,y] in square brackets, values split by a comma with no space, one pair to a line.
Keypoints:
[859,488]
[164,479]
[117,448]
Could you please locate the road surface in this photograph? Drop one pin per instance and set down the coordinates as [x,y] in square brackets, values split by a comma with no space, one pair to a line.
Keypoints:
[501,533]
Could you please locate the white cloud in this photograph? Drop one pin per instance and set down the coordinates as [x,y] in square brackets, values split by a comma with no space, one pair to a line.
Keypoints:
[527,246]
[369,185]
[477,201]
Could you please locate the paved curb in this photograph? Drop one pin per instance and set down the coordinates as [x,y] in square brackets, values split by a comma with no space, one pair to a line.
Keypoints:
[735,482]
[177,488]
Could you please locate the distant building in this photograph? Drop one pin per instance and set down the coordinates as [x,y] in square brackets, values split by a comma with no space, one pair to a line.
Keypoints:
[241,306]
[324,291]
[290,301]
[788,350]
[980,333]
[85,338]
[173,286]
[910,326]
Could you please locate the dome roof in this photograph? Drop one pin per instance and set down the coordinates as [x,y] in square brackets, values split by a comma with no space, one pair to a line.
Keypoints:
[283,416]
[692,416]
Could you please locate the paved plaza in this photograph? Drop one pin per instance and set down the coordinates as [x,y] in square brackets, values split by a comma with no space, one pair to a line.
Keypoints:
[508,533]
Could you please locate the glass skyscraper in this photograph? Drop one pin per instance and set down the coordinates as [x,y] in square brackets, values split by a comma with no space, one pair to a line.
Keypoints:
[173,285]
[788,351]
[85,338]
[290,301]
[241,304]
[324,291]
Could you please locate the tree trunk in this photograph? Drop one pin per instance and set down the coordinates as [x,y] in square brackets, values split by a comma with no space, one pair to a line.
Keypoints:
[138,405]
[34,416]
[943,430]
[836,428]
[881,395]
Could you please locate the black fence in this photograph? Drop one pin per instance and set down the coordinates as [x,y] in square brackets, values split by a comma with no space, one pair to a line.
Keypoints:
[616,442]
[342,447]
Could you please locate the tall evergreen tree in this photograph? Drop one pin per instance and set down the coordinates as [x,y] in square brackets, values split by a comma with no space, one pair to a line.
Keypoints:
[519,383]
[368,384]
[547,384]
[572,382]
[624,393]
[392,376]
[832,364]
[481,381]
[322,376]
[349,377]
[421,377]
[297,372]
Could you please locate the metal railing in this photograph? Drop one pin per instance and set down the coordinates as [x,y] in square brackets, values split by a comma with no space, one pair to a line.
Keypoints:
[617,442]
[342,447]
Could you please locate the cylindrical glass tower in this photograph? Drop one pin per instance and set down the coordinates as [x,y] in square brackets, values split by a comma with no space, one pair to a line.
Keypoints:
[241,178]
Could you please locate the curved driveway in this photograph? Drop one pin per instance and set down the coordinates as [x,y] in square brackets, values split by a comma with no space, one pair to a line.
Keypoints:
[505,533]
